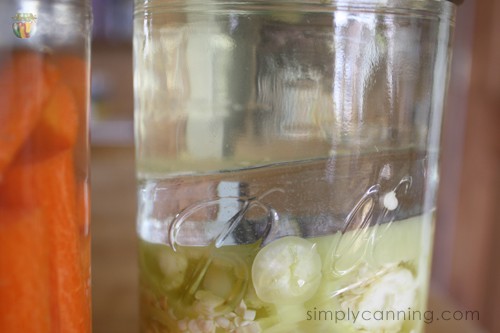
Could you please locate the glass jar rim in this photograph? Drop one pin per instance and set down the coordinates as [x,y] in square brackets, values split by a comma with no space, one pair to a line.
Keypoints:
[419,8]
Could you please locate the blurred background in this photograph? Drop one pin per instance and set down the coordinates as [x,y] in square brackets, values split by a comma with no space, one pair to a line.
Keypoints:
[466,267]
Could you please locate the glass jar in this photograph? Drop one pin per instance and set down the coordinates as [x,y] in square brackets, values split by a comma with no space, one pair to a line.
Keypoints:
[287,158]
[44,212]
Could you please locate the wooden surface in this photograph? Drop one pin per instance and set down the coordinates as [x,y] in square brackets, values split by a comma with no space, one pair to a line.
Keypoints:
[115,306]
[114,268]
[475,270]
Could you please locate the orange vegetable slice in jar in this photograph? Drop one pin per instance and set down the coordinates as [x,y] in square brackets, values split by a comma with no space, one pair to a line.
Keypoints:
[24,272]
[26,81]
[39,128]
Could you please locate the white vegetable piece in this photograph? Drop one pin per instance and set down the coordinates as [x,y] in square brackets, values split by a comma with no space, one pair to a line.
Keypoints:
[173,266]
[392,293]
[287,270]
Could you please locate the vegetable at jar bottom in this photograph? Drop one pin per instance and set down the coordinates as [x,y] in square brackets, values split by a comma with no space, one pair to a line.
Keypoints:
[292,284]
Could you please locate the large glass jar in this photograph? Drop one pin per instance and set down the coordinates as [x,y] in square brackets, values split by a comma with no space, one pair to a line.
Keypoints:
[287,158]
[44,224]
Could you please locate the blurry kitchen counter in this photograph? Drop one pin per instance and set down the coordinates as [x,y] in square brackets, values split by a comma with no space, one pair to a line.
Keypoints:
[114,259]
